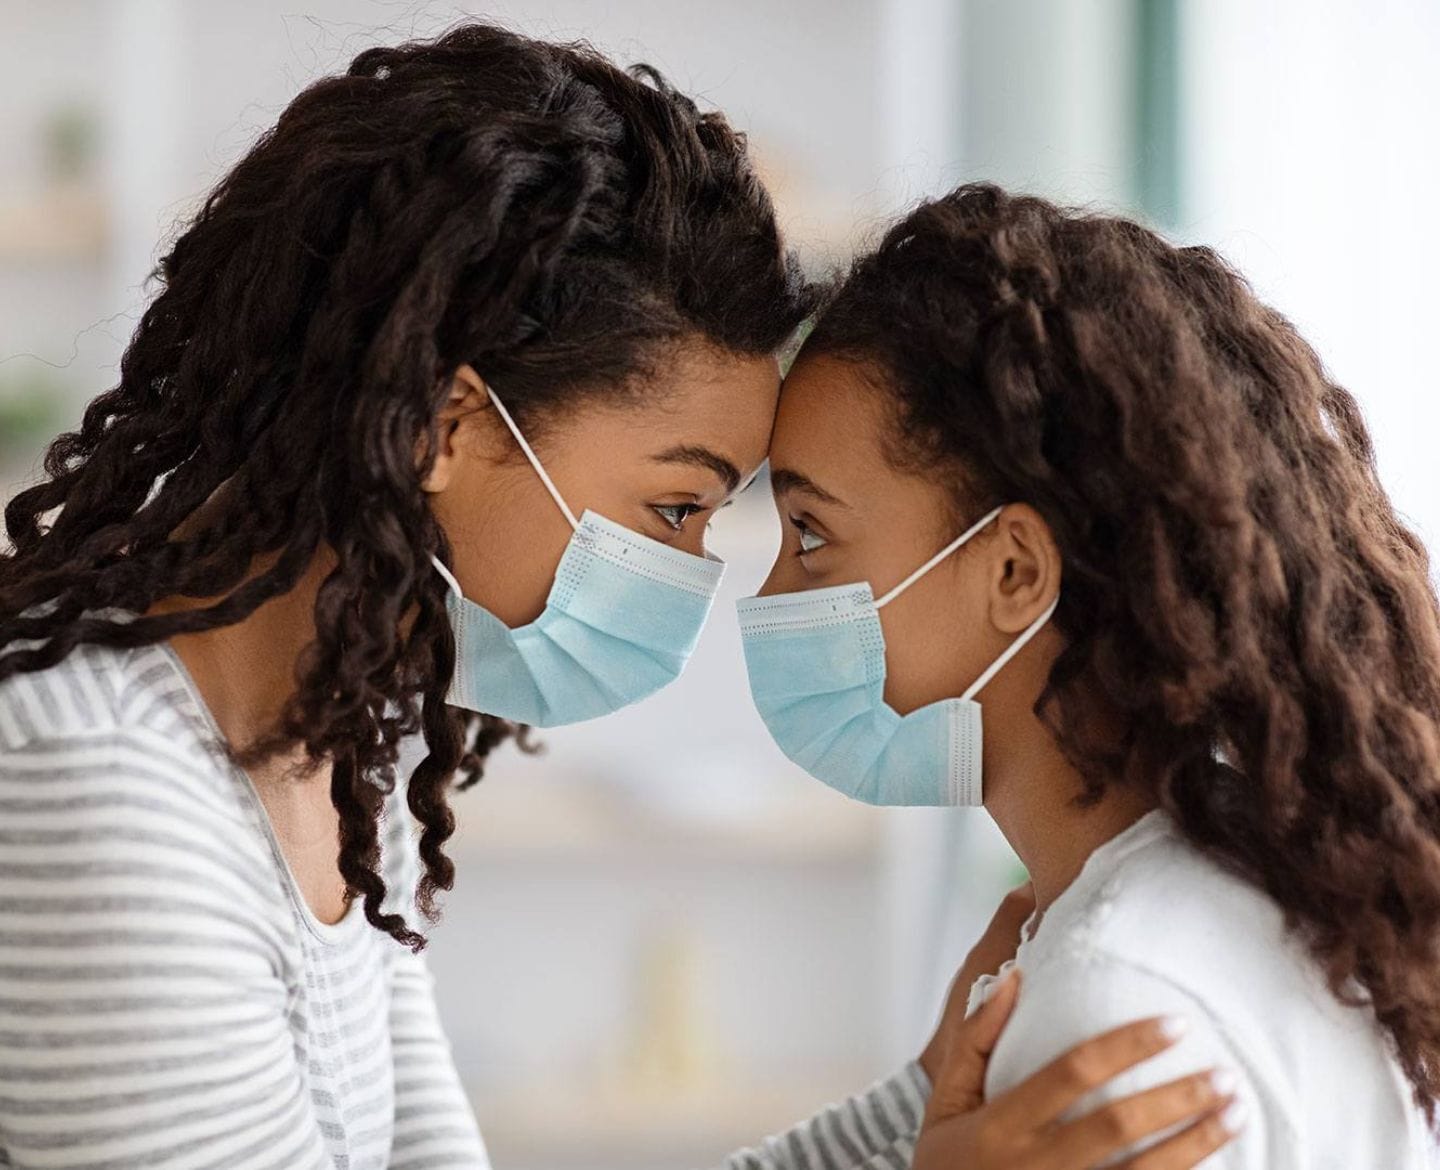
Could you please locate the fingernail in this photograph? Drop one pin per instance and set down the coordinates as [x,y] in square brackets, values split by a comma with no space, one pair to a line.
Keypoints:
[1173,1027]
[1224,1082]
[1233,1119]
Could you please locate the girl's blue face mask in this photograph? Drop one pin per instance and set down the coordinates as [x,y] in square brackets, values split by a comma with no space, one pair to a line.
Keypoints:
[816,662]
[620,622]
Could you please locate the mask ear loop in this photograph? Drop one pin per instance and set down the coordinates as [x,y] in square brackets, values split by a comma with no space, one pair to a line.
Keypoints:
[1013,649]
[938,557]
[1010,651]
[447,574]
[534,462]
[540,471]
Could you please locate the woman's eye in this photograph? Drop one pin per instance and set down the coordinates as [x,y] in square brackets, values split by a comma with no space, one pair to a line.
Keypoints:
[675,515]
[810,540]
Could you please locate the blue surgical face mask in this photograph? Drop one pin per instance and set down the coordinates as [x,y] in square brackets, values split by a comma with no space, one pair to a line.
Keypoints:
[817,673]
[620,622]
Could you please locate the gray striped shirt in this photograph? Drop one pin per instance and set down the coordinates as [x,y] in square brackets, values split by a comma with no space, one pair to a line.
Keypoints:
[167,998]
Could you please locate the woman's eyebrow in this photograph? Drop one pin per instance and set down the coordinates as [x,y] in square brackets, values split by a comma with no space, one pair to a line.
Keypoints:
[697,456]
[783,479]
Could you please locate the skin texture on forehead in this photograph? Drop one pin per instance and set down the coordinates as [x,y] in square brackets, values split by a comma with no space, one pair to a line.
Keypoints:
[689,440]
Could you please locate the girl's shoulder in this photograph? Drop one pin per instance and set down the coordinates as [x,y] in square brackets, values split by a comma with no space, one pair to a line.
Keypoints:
[1155,926]
[1151,900]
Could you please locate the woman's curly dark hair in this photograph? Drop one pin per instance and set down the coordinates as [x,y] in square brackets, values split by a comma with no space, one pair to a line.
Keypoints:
[483,198]
[1239,591]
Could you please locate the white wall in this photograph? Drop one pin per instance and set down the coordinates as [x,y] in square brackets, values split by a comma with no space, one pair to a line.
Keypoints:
[1048,95]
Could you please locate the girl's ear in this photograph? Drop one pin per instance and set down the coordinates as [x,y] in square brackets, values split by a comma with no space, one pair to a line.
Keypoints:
[1027,569]
[468,394]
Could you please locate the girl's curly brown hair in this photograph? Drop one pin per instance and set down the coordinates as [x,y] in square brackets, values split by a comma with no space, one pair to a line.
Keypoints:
[1239,591]
[483,198]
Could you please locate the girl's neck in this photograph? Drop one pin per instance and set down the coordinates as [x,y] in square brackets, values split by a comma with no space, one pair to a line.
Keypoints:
[1054,838]
[1032,791]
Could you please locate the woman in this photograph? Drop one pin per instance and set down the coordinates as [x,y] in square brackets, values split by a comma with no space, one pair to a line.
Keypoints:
[303,530]
[1051,462]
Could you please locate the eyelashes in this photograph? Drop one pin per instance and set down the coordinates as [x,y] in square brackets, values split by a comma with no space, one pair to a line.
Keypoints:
[675,515]
[810,540]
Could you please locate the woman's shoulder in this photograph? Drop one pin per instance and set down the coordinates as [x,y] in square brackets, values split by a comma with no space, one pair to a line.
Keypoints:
[94,690]
[116,717]
[105,749]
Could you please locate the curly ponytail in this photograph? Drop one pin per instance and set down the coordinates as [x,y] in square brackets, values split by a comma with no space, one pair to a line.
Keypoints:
[484,198]
[1238,589]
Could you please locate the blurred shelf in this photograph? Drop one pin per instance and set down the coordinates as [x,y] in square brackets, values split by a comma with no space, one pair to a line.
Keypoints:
[66,224]
[513,822]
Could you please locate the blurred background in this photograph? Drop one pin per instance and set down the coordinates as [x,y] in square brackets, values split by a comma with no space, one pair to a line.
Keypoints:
[664,942]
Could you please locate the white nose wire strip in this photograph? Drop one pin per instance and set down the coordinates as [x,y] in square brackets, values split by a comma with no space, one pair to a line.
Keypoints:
[937,558]
[530,455]
[1015,647]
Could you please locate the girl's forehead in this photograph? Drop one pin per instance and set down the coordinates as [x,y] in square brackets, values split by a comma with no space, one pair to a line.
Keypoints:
[832,412]
[830,446]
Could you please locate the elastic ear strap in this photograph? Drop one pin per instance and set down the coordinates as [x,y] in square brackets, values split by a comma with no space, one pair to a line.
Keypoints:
[1014,648]
[938,557]
[530,455]
[447,574]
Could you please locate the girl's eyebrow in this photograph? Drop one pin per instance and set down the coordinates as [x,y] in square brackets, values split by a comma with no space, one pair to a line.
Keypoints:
[783,479]
[697,456]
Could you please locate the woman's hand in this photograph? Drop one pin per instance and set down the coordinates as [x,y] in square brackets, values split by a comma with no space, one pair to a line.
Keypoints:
[1021,1129]
[995,948]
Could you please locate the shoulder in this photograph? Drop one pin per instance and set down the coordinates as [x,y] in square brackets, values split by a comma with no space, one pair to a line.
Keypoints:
[1161,906]
[112,804]
[1159,928]
[1067,1000]
[114,728]
[93,688]
[110,797]
[1152,927]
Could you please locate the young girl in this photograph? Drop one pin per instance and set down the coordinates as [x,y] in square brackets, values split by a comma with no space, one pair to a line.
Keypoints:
[304,531]
[1080,530]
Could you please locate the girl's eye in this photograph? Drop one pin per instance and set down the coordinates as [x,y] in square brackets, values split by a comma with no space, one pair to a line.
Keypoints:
[810,540]
[675,515]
